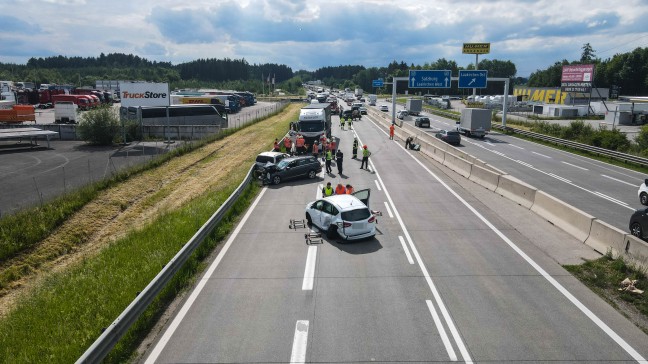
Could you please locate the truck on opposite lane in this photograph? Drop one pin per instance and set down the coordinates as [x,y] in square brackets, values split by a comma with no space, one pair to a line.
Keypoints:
[414,106]
[475,122]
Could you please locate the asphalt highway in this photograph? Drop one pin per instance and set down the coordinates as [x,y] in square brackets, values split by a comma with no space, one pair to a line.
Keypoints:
[603,190]
[446,279]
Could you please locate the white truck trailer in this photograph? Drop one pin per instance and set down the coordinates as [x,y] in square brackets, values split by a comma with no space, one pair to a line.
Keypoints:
[372,100]
[475,122]
[66,112]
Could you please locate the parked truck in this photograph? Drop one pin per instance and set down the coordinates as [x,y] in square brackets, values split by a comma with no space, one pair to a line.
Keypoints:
[475,122]
[66,112]
[414,106]
[372,100]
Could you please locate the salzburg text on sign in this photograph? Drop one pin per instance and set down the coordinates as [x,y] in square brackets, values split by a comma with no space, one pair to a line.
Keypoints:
[476,48]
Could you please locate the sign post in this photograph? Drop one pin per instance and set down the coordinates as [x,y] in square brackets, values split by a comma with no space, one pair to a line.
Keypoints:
[476,49]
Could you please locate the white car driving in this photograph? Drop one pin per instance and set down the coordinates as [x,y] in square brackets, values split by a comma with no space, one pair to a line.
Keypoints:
[347,216]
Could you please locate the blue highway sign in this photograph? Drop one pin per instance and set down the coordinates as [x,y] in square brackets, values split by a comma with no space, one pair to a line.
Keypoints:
[429,78]
[472,79]
[377,83]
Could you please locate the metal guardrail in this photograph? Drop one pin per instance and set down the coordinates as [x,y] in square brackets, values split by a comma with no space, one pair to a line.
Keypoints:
[623,157]
[111,335]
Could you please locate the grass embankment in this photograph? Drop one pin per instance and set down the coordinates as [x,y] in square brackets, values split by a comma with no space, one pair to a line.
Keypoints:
[604,275]
[64,307]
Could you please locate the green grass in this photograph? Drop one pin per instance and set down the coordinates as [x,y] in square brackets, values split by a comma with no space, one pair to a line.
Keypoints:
[68,311]
[21,231]
[604,275]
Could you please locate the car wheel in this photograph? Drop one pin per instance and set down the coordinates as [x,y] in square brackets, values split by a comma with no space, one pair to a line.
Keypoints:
[276,180]
[636,230]
[312,174]
[331,232]
[643,198]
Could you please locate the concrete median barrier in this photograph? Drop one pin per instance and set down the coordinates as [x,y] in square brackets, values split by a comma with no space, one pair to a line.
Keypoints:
[575,222]
[637,250]
[604,237]
[516,190]
[457,164]
[484,177]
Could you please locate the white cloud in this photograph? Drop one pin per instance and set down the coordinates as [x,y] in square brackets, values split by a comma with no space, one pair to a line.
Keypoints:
[308,35]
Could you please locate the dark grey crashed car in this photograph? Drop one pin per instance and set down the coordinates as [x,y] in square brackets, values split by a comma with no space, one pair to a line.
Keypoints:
[292,168]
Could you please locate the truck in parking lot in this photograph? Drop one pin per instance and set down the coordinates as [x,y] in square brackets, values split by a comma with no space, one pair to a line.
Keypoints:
[414,106]
[475,122]
[66,112]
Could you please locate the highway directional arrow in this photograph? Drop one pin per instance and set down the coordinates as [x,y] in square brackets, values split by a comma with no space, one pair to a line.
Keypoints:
[473,78]
[429,78]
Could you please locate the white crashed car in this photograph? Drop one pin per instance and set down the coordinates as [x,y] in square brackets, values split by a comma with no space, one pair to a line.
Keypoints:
[347,216]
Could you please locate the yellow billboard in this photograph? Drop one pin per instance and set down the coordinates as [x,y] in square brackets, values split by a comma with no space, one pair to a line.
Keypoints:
[476,48]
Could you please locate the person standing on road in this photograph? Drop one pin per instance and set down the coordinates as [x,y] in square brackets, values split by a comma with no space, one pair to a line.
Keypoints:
[365,157]
[355,148]
[329,157]
[349,190]
[315,149]
[340,190]
[391,132]
[276,147]
[338,160]
[327,190]
[341,123]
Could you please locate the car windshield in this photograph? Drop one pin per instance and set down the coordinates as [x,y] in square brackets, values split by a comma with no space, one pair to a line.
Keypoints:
[307,126]
[356,215]
[453,133]
[283,164]
[424,119]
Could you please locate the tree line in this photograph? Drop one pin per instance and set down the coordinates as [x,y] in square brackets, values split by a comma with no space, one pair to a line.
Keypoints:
[627,71]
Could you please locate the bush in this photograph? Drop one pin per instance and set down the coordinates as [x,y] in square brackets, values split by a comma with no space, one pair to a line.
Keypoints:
[99,126]
[611,139]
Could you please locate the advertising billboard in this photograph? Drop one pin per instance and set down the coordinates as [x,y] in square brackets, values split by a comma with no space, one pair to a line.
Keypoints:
[476,48]
[577,78]
[144,94]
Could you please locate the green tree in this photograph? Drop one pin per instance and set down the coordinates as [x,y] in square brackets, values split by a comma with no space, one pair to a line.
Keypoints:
[588,54]
[99,126]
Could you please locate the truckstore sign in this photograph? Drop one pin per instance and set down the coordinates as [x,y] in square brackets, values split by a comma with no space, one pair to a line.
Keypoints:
[577,78]
[144,94]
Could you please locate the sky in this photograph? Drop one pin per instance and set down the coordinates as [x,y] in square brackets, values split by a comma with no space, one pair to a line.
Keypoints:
[312,34]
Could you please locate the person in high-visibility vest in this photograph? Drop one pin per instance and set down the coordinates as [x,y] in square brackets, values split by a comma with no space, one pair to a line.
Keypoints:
[329,157]
[315,149]
[391,132]
[300,142]
[365,157]
[341,123]
[355,148]
[276,147]
[340,190]
[287,143]
[350,123]
[349,190]
[327,190]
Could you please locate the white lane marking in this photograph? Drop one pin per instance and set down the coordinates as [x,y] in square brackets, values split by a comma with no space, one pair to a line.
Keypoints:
[613,335]
[388,210]
[618,180]
[309,271]
[515,146]
[560,178]
[609,198]
[542,155]
[426,274]
[407,252]
[444,335]
[377,185]
[623,204]
[199,287]
[318,193]
[575,166]
[300,341]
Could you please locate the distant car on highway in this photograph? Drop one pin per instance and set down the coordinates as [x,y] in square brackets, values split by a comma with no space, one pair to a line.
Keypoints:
[384,108]
[363,110]
[643,193]
[422,122]
[291,168]
[449,136]
[346,216]
[639,223]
